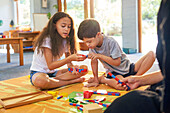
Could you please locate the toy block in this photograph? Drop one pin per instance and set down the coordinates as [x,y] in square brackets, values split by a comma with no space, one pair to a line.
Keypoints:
[87,94]
[92,108]
[53,93]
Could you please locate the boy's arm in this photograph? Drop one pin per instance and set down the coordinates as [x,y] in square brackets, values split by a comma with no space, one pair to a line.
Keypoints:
[109,60]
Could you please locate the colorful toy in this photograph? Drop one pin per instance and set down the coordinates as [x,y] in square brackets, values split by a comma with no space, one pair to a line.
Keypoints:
[78,70]
[87,94]
[128,88]
[84,55]
[72,100]
[79,108]
[53,93]
[94,101]
[60,97]
[74,104]
[100,98]
[108,93]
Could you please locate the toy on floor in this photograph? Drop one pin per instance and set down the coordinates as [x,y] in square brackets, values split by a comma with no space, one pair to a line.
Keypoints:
[88,94]
[62,95]
[74,104]
[80,108]
[59,97]
[53,93]
[72,100]
[99,99]
[108,93]
[92,108]
[128,88]
[95,101]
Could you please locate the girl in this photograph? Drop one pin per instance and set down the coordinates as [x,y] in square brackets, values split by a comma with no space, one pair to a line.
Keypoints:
[56,39]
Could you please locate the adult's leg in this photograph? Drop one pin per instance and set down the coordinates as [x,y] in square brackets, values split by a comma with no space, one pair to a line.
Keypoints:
[136,102]
[144,63]
[163,49]
[43,81]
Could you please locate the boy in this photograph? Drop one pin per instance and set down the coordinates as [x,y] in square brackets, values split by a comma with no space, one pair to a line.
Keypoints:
[108,51]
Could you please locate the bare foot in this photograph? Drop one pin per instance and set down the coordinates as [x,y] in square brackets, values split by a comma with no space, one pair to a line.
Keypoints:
[90,80]
[79,79]
[94,84]
[101,79]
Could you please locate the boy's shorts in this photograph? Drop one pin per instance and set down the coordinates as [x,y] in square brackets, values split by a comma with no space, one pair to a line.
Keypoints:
[49,74]
[131,72]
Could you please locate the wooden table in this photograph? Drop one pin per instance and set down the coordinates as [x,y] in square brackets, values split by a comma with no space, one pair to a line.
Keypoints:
[28,39]
[17,40]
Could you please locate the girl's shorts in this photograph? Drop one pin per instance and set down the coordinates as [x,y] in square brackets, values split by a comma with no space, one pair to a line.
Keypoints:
[131,72]
[49,74]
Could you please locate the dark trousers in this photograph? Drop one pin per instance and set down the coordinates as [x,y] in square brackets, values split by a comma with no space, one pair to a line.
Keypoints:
[137,101]
[163,50]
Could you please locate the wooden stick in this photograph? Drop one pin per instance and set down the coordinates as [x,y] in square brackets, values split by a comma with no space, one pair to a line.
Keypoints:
[32,93]
[1,102]
[27,100]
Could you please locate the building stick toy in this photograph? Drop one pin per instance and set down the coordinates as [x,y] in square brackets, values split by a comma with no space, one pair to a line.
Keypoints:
[78,70]
[128,88]
[80,108]
[88,94]
[105,105]
[60,97]
[85,55]
[74,104]
[108,93]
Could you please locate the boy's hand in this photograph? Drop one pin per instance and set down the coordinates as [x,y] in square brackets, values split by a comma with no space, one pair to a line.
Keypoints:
[93,56]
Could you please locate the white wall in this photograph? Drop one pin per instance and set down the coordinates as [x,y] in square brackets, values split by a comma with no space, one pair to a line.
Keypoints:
[6,14]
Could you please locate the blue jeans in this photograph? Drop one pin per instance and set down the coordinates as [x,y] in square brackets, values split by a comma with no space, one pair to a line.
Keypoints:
[49,74]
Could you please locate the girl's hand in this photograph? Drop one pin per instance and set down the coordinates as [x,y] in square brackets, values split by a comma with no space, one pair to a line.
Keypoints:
[74,69]
[77,57]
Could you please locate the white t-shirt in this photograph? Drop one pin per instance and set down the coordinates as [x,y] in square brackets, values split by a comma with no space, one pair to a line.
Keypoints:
[39,63]
[112,49]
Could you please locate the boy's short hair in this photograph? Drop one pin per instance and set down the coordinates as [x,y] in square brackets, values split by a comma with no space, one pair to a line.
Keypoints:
[88,28]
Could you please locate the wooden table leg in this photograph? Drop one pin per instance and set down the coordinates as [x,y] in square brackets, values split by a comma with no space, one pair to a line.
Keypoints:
[8,53]
[21,53]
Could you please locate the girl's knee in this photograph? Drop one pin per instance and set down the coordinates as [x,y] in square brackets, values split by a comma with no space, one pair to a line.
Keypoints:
[41,81]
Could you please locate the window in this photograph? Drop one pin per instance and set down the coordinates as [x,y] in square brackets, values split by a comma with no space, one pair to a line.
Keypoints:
[24,12]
